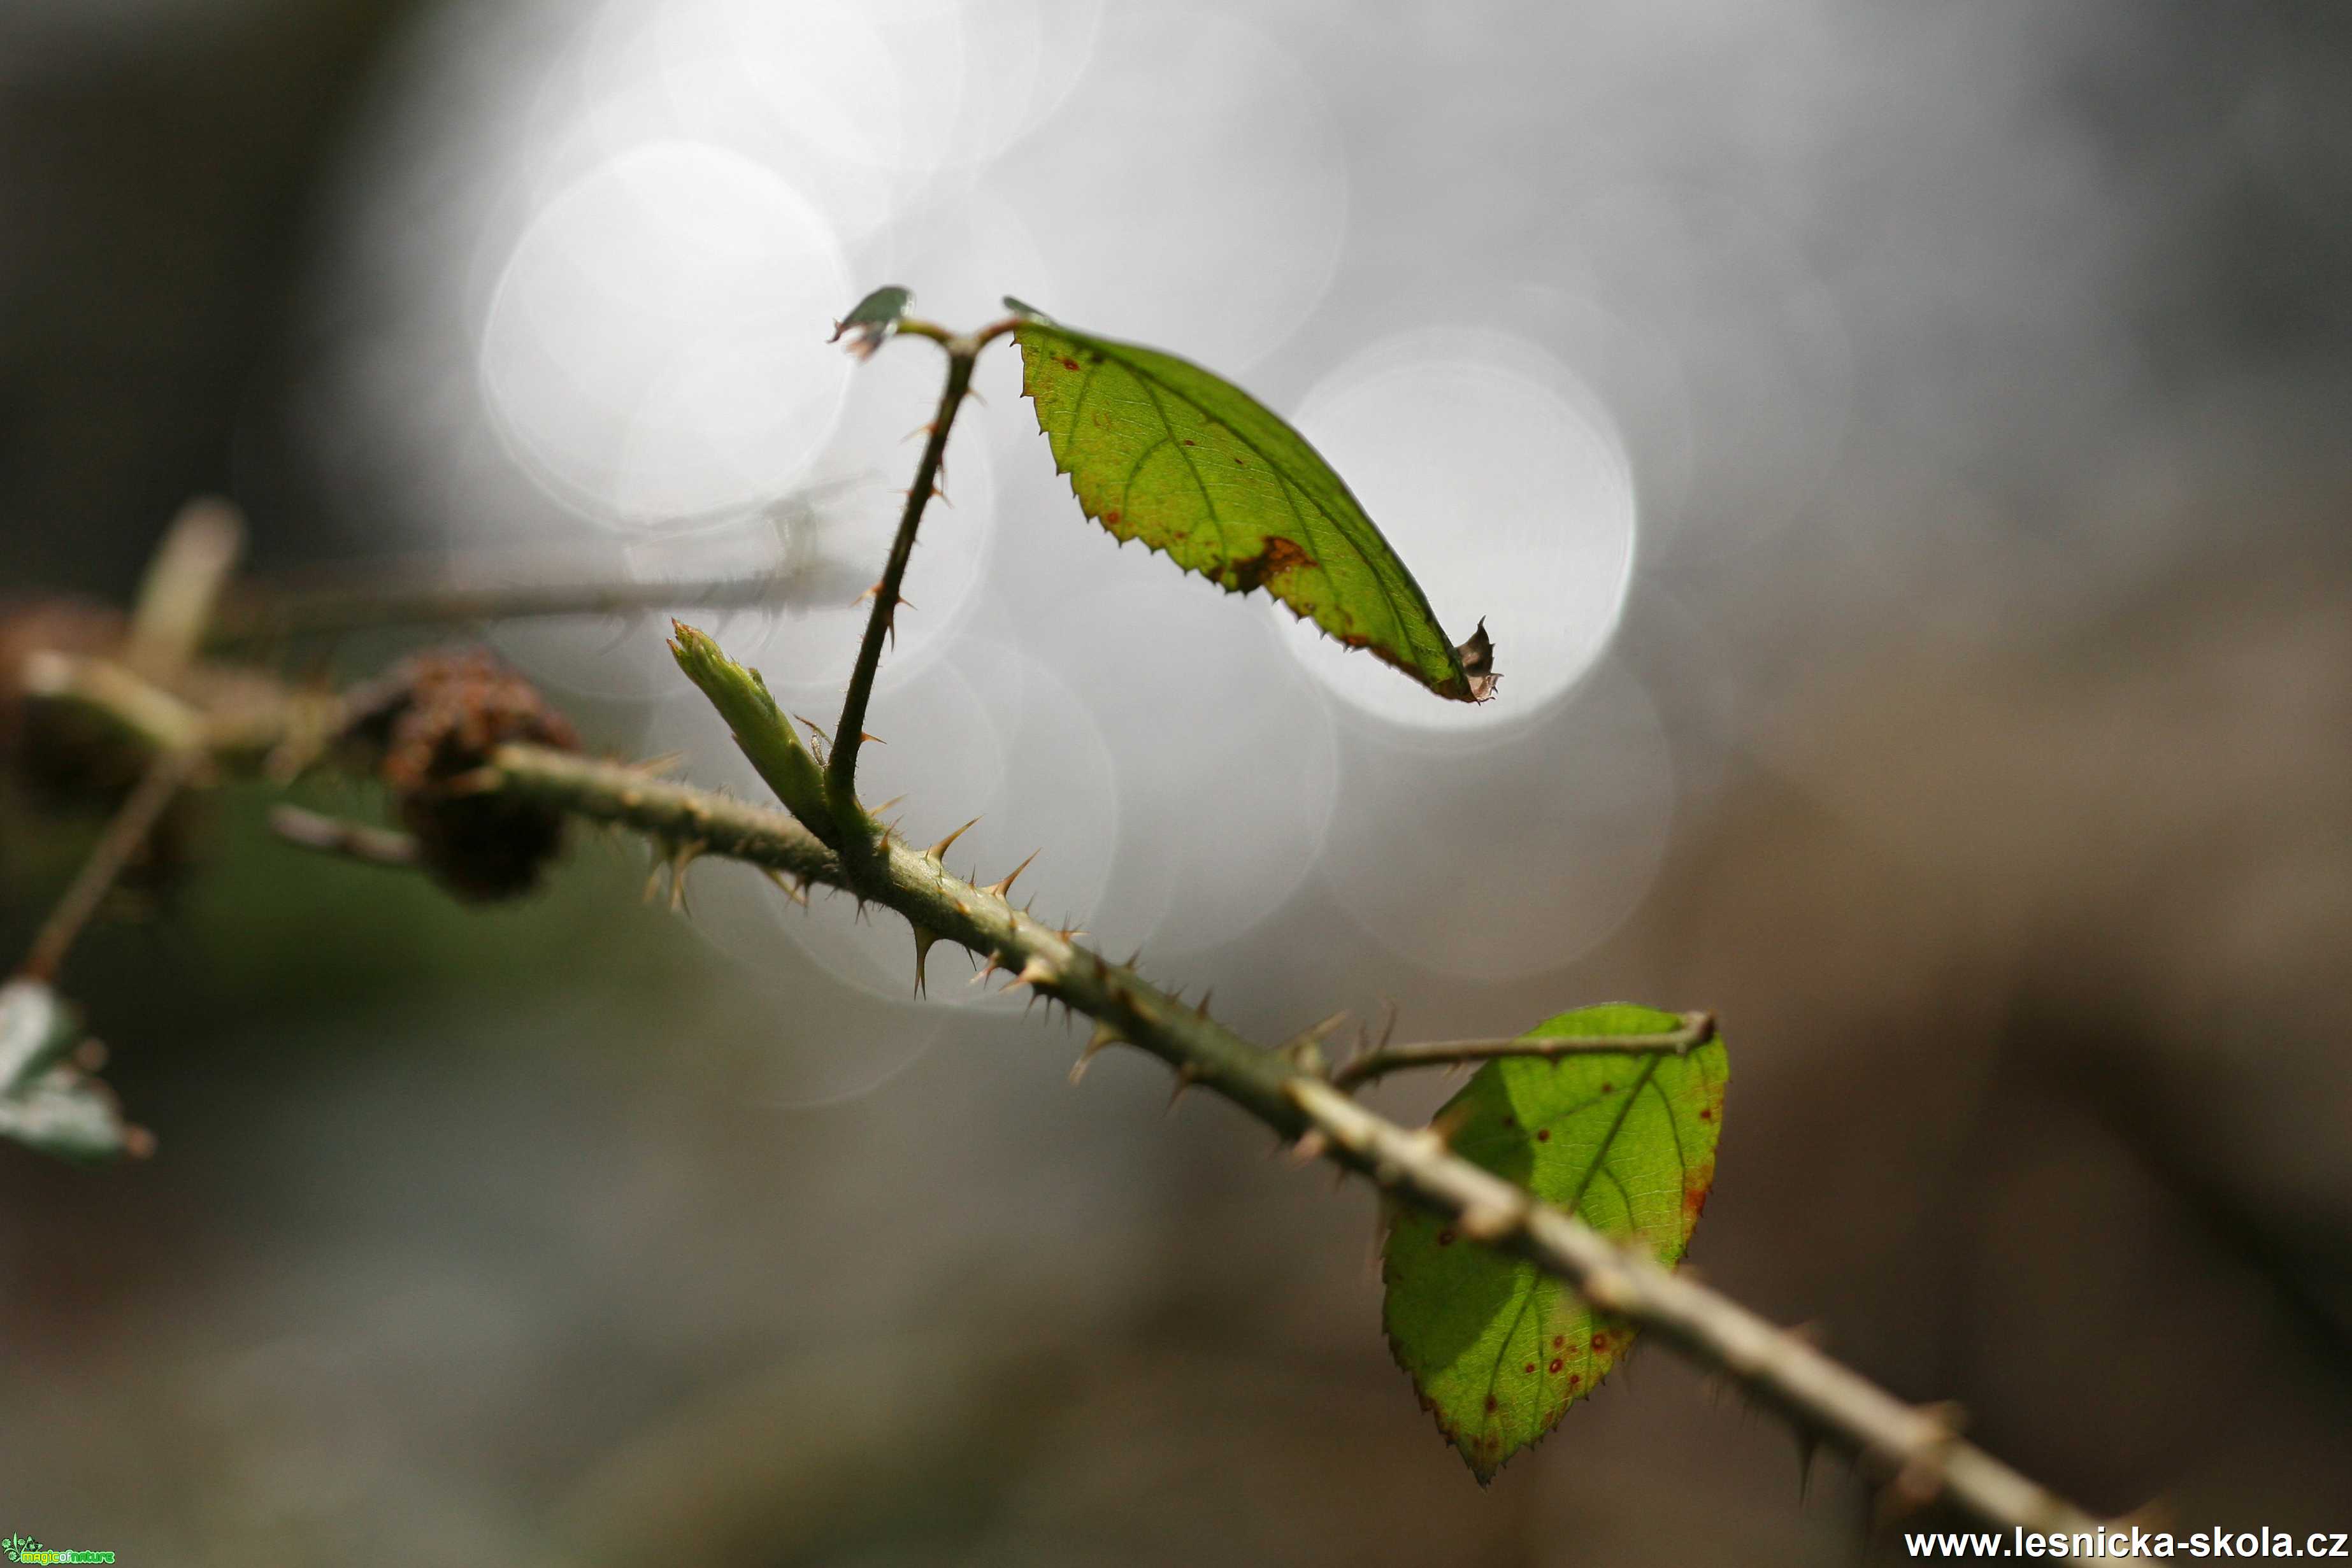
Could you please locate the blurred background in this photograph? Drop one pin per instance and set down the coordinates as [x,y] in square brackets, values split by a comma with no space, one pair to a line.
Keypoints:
[1898,452]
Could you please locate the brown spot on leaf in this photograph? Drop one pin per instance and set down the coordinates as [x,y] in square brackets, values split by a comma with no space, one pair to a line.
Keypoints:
[1556,1364]
[1110,519]
[1068,364]
[1278,557]
[1445,1239]
[1559,1340]
[1543,1135]
[1490,1402]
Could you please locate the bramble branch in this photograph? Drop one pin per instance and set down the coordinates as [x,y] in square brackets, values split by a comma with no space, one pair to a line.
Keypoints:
[1914,1450]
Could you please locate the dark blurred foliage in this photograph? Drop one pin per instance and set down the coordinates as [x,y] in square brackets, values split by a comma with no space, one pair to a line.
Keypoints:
[2028,907]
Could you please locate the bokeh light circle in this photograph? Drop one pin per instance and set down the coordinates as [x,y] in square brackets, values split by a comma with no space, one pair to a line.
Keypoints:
[653,348]
[1193,190]
[1225,755]
[1517,858]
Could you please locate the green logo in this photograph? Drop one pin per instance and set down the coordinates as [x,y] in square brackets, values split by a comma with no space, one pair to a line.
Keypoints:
[16,1546]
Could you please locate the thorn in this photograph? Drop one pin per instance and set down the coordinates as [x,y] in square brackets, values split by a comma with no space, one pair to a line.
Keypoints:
[1186,1076]
[680,860]
[1388,1021]
[1203,1009]
[892,800]
[1001,888]
[995,962]
[923,940]
[1447,1125]
[1103,1036]
[1312,1145]
[796,890]
[939,850]
[655,767]
[1034,971]
[869,735]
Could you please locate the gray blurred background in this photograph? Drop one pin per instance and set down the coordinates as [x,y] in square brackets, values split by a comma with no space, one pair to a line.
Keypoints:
[1899,450]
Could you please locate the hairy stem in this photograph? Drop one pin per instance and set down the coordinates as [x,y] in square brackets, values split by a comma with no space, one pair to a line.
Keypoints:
[1698,1028]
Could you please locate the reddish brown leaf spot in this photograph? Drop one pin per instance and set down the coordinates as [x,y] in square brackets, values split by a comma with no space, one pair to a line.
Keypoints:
[1543,1135]
[1445,1239]
[1706,1115]
[1490,1402]
[1110,519]
[1556,1364]
[1559,1340]
[1608,1089]
[1574,1378]
[1278,557]
[1190,442]
[1599,1344]
[1068,364]
[1529,1367]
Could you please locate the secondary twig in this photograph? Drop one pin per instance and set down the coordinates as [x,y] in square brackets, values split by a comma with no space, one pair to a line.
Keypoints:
[351,840]
[262,614]
[856,830]
[1698,1028]
[115,850]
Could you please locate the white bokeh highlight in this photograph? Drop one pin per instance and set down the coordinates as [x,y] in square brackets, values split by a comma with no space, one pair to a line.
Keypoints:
[1194,188]
[1523,859]
[1225,755]
[649,353]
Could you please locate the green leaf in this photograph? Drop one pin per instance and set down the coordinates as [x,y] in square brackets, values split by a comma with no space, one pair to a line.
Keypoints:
[1626,1141]
[872,319]
[1162,450]
[47,1103]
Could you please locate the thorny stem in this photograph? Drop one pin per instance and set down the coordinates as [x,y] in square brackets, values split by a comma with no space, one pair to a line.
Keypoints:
[1697,1030]
[166,773]
[1915,1450]
[856,831]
